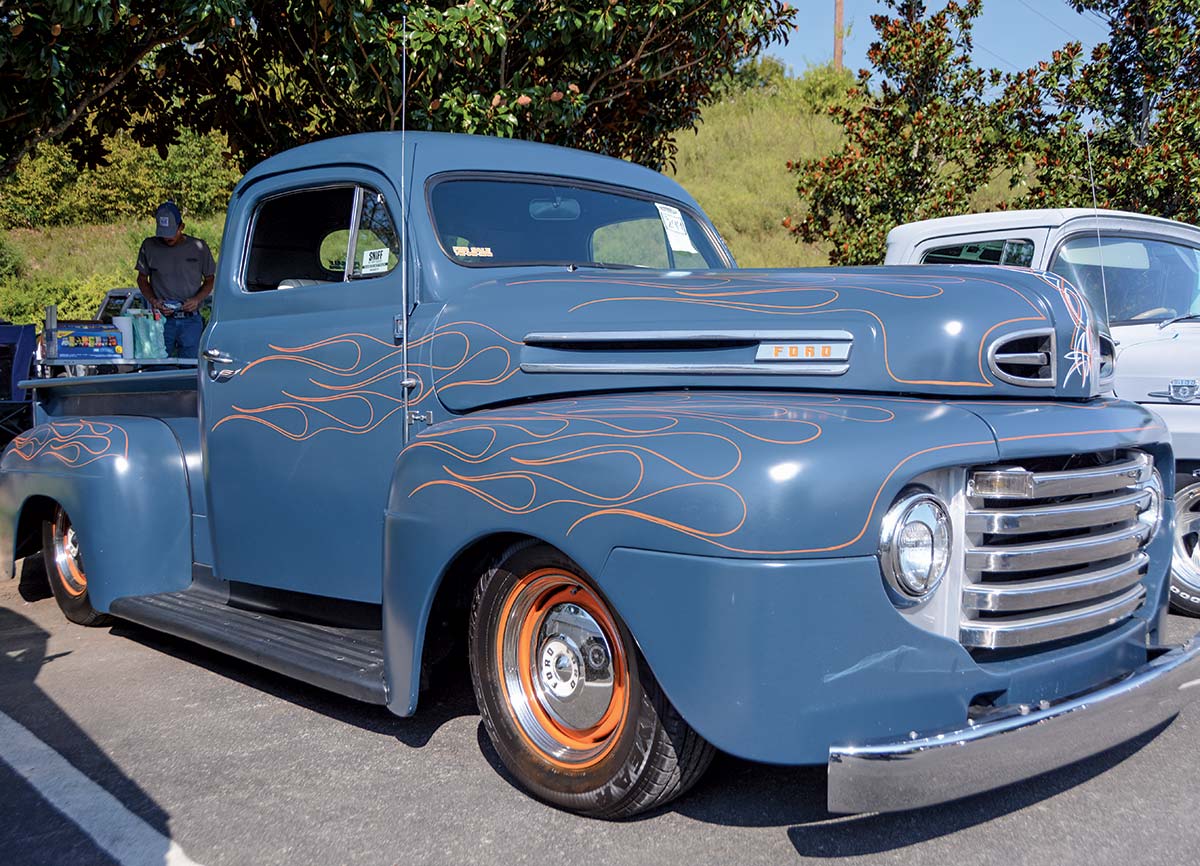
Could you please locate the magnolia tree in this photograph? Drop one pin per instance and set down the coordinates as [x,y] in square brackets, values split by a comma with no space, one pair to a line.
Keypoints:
[920,137]
[1135,103]
[616,76]
[928,131]
[63,61]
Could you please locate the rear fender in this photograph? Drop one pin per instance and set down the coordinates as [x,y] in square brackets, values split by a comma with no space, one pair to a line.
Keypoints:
[123,482]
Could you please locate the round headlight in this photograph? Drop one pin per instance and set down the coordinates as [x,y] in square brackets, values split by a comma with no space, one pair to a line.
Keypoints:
[915,549]
[1152,515]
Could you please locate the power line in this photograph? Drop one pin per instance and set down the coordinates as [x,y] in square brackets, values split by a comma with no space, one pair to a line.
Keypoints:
[1047,18]
[1007,63]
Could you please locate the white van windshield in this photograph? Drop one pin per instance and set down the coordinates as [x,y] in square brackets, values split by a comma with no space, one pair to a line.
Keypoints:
[1133,279]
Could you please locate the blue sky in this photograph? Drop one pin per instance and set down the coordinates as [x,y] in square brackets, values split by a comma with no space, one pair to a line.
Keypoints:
[1009,35]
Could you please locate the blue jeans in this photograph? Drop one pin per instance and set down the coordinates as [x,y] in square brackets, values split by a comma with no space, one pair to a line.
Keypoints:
[181,333]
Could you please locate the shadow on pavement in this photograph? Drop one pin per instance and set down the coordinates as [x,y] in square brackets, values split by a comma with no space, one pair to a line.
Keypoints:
[744,794]
[449,696]
[33,832]
[874,834]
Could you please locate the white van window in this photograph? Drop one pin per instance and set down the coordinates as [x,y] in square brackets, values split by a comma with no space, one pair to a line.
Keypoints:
[1132,279]
[1018,253]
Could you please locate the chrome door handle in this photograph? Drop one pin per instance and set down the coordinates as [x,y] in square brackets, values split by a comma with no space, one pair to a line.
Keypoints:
[216,358]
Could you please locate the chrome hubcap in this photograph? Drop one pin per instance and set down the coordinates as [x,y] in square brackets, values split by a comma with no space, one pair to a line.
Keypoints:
[66,556]
[574,676]
[71,545]
[1185,565]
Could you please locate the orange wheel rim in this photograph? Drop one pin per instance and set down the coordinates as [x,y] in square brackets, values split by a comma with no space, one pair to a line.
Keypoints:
[67,561]
[564,669]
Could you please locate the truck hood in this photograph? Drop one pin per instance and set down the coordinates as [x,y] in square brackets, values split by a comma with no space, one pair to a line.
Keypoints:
[1149,358]
[937,331]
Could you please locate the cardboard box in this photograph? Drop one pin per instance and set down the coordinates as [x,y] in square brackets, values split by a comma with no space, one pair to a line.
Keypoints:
[83,341]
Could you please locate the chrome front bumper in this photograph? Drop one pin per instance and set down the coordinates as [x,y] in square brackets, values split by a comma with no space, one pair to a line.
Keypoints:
[1012,745]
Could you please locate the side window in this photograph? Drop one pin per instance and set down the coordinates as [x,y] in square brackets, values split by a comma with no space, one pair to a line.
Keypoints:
[304,238]
[1018,253]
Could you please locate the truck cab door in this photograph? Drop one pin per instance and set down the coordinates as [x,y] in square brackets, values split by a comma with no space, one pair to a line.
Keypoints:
[303,407]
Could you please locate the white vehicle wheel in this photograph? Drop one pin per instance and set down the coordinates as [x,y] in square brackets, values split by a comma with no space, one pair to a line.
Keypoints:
[1185,562]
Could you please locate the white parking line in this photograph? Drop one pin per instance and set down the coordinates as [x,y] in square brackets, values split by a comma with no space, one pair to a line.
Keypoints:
[123,835]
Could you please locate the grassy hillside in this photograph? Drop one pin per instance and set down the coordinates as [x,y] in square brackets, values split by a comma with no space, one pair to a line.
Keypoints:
[736,167]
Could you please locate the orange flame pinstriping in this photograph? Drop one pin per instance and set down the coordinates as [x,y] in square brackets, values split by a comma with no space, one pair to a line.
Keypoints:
[73,443]
[372,361]
[565,419]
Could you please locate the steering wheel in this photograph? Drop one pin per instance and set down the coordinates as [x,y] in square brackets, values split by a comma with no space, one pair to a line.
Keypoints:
[1157,311]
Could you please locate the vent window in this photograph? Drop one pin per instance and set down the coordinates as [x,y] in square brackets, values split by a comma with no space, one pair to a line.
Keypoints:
[1024,359]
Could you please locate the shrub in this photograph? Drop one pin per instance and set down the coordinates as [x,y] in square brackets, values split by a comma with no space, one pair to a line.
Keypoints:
[25,301]
[47,189]
[822,86]
[12,264]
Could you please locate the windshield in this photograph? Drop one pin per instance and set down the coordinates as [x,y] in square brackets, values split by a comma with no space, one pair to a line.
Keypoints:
[1142,281]
[506,222]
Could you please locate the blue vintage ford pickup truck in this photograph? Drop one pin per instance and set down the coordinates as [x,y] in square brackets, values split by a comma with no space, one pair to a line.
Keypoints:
[520,398]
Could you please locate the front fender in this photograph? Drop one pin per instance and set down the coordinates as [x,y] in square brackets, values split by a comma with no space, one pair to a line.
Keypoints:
[123,482]
[735,475]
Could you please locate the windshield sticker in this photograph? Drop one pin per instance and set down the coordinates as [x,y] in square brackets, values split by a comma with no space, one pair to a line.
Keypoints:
[676,228]
[473,252]
[375,261]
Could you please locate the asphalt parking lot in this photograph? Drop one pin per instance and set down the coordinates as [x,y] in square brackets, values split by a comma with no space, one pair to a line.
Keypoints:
[206,760]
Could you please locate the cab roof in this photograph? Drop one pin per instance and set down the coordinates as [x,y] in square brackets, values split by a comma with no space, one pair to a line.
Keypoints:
[436,152]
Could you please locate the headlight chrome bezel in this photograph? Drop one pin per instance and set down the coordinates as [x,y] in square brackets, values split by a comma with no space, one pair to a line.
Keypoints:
[1152,515]
[907,509]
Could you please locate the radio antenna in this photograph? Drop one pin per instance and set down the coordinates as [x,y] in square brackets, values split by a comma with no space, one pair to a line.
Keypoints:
[1087,140]
[408,382]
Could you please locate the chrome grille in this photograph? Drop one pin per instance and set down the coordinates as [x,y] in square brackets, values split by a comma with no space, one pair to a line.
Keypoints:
[1055,547]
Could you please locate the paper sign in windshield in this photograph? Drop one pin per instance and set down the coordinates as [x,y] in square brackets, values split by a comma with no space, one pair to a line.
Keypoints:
[677,233]
[375,261]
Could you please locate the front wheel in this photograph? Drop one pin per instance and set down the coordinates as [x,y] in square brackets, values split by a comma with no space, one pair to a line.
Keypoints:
[570,706]
[64,566]
[1185,559]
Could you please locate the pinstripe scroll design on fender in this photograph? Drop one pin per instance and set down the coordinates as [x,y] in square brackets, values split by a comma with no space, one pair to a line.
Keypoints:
[73,443]
[661,454]
[354,382]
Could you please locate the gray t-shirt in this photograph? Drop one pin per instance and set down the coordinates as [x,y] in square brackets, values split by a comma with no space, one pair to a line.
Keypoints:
[175,272]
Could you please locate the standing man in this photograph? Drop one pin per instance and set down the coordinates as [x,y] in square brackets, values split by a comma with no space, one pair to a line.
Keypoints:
[175,274]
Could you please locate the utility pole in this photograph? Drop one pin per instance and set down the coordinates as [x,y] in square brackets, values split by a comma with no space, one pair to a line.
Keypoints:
[837,34]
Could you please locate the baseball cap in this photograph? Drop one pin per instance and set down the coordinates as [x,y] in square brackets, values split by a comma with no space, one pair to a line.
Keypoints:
[168,218]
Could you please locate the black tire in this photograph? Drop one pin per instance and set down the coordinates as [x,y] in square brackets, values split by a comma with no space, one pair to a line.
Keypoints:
[638,754]
[64,567]
[1185,559]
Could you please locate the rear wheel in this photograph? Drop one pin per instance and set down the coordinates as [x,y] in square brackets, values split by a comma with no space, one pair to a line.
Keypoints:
[64,566]
[570,706]
[1185,561]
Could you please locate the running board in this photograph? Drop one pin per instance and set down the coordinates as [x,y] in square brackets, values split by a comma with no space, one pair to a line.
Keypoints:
[348,661]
